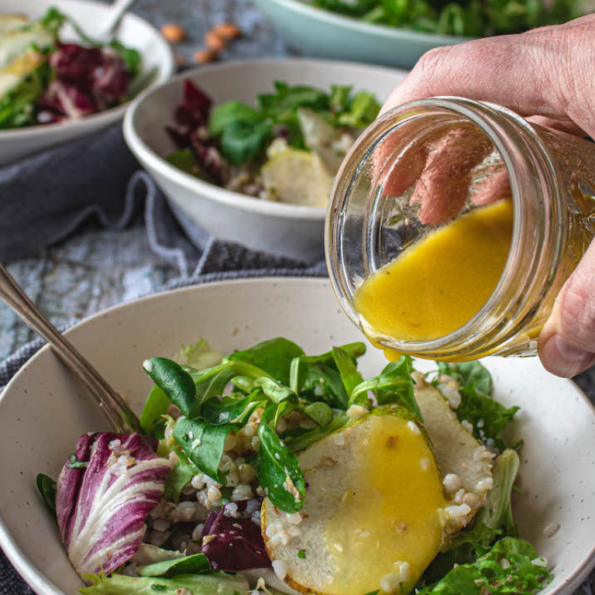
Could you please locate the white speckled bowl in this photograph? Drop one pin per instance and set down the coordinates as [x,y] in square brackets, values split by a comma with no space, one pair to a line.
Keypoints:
[158,63]
[290,230]
[43,412]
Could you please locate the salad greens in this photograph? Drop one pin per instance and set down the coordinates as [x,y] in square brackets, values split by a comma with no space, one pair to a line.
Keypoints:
[469,18]
[478,407]
[287,148]
[44,80]
[216,399]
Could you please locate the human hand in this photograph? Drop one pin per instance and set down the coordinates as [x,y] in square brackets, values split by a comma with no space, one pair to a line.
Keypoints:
[547,74]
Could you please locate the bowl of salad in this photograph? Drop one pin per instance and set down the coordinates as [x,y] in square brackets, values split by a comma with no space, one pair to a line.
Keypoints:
[280,454]
[59,81]
[249,150]
[399,33]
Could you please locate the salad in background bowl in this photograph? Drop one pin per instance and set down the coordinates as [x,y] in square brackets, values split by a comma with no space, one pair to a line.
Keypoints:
[204,138]
[288,149]
[58,82]
[44,80]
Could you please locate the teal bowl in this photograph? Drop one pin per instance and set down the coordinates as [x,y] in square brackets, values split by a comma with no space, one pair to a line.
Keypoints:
[323,34]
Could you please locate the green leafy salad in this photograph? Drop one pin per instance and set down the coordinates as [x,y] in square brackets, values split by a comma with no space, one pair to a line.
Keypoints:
[272,471]
[44,80]
[287,149]
[468,18]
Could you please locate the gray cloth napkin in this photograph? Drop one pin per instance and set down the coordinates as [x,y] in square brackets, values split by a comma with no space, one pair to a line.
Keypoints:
[46,197]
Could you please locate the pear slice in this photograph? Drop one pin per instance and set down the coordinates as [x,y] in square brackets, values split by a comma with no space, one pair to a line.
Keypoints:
[372,513]
[298,178]
[9,23]
[464,463]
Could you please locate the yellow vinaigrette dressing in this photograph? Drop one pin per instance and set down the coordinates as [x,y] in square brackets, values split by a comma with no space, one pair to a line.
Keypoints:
[442,281]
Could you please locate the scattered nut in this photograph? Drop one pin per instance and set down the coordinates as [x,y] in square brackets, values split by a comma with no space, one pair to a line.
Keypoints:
[204,56]
[179,60]
[173,33]
[227,31]
[214,42]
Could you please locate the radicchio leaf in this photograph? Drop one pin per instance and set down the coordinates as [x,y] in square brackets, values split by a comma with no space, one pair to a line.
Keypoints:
[101,508]
[234,544]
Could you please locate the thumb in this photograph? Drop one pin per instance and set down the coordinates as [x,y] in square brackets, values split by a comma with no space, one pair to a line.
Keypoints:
[567,341]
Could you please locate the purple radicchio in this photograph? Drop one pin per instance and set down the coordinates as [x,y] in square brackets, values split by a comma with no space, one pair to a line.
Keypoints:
[232,540]
[101,506]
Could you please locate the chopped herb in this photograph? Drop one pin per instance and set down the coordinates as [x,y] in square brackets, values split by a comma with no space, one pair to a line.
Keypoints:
[302,554]
[74,463]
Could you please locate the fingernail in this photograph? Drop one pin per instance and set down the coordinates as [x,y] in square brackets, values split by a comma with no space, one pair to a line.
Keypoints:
[563,359]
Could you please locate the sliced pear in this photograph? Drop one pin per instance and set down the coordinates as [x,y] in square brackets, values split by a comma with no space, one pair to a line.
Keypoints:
[18,71]
[17,43]
[371,518]
[459,454]
[298,178]
[9,23]
[322,138]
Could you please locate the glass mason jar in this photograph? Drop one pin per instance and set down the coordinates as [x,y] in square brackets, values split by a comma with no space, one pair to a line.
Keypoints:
[552,185]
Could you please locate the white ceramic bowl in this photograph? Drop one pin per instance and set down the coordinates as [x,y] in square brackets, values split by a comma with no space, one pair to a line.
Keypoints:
[289,230]
[158,61]
[43,412]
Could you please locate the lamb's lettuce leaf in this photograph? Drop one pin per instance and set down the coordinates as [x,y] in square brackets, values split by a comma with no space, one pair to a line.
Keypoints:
[101,508]
[47,488]
[195,564]
[182,472]
[199,356]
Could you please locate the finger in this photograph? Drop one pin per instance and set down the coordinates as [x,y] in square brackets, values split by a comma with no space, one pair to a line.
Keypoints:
[521,73]
[567,341]
[443,187]
[493,187]
[559,125]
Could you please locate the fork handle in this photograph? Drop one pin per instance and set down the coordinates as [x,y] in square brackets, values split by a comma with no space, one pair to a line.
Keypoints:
[113,406]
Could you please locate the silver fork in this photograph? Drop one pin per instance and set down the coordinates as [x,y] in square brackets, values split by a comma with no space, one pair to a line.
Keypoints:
[113,406]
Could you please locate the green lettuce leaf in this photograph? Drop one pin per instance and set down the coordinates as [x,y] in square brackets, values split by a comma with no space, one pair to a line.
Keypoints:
[197,584]
[196,564]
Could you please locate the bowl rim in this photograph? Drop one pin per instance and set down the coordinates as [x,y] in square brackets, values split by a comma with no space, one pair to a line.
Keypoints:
[147,156]
[356,25]
[36,580]
[164,72]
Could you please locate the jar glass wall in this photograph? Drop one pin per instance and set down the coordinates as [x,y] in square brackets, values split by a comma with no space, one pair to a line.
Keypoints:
[385,202]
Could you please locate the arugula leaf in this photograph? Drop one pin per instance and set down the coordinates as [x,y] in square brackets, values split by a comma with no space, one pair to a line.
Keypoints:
[233,111]
[489,574]
[131,57]
[348,369]
[488,417]
[242,141]
[339,99]
[174,381]
[47,488]
[185,160]
[155,408]
[279,472]
[394,385]
[196,564]
[181,473]
[273,356]
[203,444]
[233,408]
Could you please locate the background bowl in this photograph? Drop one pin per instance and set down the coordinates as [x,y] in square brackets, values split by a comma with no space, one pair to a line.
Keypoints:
[158,66]
[290,230]
[43,412]
[316,32]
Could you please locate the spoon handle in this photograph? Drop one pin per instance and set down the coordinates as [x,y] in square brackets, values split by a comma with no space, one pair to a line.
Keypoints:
[112,404]
[117,10]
